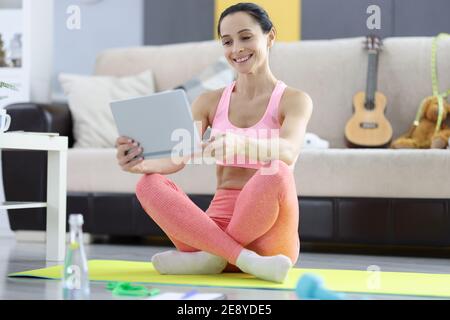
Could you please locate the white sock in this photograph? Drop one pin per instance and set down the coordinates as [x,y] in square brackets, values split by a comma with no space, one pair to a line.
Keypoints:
[273,268]
[177,262]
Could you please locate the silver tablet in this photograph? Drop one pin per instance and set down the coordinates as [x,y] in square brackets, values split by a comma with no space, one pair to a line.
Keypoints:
[161,122]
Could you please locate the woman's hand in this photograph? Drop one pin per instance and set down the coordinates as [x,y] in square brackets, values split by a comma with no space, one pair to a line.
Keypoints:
[224,146]
[129,155]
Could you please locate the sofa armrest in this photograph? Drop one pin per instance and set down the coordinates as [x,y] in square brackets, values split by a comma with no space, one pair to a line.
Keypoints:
[41,118]
[25,172]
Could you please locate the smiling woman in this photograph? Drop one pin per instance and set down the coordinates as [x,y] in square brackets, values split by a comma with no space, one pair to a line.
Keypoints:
[251,224]
[241,45]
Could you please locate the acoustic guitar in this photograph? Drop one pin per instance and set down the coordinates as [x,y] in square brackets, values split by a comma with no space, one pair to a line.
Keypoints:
[368,127]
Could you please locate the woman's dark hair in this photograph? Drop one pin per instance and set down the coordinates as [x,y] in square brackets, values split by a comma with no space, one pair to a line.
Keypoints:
[258,13]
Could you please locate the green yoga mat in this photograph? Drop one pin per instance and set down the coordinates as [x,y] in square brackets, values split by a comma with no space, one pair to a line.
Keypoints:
[351,281]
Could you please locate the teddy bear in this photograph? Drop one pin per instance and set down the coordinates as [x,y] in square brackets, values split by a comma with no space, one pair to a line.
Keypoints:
[423,136]
[442,139]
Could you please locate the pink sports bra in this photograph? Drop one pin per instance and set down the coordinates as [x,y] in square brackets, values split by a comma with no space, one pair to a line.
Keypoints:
[267,127]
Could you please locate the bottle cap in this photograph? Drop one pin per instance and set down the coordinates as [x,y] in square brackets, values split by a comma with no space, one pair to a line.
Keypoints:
[76,219]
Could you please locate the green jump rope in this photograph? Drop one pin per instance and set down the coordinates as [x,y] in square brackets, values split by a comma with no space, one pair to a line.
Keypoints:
[435,86]
[130,290]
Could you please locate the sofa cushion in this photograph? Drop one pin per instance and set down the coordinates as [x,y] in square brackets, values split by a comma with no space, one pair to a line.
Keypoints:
[381,173]
[172,64]
[215,76]
[89,98]
[96,170]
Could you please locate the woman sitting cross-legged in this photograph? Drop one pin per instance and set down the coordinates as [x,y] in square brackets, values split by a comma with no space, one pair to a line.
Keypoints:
[252,222]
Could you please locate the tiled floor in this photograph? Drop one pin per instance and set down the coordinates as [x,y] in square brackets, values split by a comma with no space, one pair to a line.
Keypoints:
[20,256]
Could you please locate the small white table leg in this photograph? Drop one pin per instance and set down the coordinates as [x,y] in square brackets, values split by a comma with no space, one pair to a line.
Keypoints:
[56,205]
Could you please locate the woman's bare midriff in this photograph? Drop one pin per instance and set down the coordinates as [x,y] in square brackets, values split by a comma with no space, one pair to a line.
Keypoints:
[233,177]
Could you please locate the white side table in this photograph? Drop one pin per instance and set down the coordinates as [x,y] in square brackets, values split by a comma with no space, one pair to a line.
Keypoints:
[56,184]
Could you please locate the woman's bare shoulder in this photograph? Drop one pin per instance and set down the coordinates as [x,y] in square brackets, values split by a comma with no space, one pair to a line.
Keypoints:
[208,102]
[210,97]
[295,94]
[295,98]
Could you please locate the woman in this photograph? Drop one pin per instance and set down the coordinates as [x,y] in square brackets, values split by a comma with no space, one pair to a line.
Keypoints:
[252,221]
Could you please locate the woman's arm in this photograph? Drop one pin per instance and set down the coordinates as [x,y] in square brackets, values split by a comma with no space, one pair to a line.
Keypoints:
[161,166]
[130,157]
[296,108]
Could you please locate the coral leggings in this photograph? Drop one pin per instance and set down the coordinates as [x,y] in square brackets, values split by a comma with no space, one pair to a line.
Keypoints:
[262,217]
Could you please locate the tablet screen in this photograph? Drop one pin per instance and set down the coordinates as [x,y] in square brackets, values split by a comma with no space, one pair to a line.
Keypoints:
[162,123]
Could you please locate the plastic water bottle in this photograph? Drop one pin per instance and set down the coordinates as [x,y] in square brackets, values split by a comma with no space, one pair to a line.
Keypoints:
[76,276]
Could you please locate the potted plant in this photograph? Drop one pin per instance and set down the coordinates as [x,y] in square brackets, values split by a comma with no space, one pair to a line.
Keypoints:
[8,86]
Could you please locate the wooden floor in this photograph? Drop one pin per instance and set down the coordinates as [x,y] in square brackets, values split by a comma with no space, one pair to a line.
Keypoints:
[20,256]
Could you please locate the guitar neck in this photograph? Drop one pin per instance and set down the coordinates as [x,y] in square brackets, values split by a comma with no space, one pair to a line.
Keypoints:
[371,87]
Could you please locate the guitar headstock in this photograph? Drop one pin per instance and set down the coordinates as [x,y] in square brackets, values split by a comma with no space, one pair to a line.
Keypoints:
[373,43]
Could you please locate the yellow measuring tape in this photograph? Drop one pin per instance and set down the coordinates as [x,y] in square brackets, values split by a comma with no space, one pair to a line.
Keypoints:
[435,86]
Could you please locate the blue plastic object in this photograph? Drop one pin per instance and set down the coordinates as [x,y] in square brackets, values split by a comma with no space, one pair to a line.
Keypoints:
[311,286]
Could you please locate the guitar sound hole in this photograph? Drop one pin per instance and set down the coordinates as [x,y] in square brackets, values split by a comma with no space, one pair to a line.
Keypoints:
[368,125]
[369,105]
